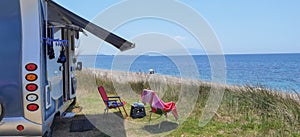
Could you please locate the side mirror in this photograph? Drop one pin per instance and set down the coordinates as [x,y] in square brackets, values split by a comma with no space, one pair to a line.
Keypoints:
[79,66]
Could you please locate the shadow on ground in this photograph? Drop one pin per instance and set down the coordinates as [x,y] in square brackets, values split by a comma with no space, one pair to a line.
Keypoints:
[88,126]
[164,126]
[102,125]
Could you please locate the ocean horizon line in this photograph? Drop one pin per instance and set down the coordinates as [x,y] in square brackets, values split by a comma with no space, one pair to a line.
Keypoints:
[227,54]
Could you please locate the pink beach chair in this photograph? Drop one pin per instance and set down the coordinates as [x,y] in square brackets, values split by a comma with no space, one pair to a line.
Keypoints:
[157,105]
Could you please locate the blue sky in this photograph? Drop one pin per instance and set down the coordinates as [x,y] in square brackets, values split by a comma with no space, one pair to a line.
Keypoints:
[242,26]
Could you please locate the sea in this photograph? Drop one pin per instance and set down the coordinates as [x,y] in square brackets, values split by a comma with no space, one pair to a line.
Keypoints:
[273,71]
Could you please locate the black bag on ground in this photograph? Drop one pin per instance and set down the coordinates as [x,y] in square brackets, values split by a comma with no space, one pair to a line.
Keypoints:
[137,111]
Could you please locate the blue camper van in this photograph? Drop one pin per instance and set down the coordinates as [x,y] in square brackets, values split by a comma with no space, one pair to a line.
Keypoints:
[37,73]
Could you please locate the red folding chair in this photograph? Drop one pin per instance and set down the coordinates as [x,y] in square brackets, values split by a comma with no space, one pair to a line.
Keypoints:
[111,101]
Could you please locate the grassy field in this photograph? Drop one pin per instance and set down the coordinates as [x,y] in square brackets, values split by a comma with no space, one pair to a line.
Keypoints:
[244,110]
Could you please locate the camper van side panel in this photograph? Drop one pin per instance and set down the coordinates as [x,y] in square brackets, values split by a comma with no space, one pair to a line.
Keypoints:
[20,45]
[31,44]
[10,59]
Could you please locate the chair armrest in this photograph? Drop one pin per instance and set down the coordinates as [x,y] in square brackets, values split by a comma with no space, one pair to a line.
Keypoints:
[114,97]
[110,100]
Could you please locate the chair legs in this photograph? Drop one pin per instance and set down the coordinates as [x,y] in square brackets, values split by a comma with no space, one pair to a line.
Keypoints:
[106,111]
[150,116]
[160,117]
[124,111]
[120,111]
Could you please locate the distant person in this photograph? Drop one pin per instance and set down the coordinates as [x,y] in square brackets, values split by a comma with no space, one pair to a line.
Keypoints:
[151,71]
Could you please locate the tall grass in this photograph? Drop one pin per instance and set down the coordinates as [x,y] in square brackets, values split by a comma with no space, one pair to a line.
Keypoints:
[244,111]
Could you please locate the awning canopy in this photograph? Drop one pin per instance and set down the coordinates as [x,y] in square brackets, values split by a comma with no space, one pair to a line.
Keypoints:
[59,14]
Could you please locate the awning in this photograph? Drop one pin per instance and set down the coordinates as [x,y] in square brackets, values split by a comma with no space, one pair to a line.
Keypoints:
[59,14]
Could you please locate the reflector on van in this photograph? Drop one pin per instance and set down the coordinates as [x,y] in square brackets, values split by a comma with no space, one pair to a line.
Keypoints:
[31,77]
[32,107]
[57,13]
[20,128]
[31,67]
[32,97]
[31,87]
